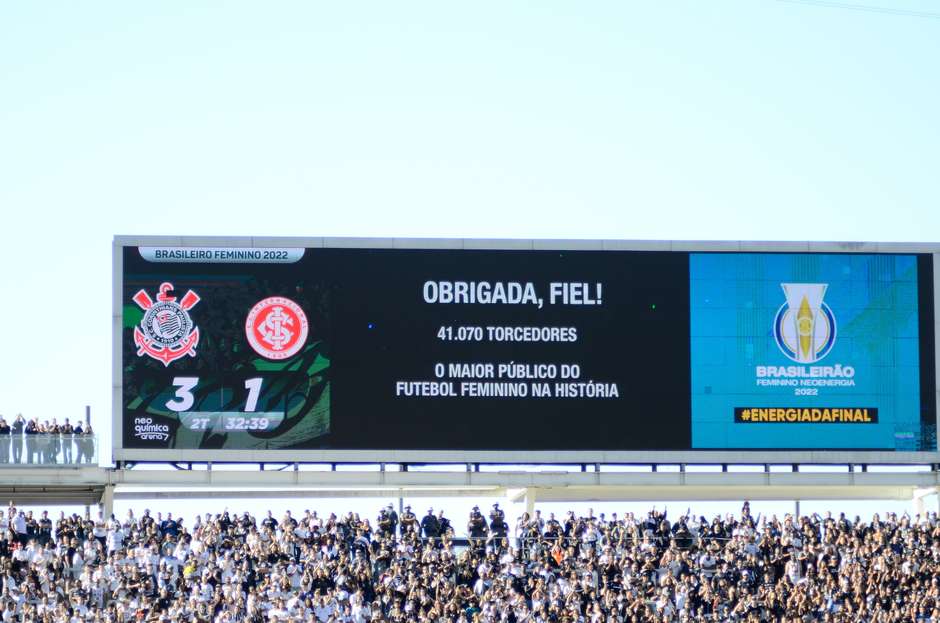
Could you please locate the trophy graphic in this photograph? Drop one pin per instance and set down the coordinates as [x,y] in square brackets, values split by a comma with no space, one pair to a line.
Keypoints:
[804,329]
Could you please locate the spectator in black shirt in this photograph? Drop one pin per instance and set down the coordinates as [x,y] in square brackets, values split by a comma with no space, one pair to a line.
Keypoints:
[67,431]
[45,528]
[30,431]
[430,526]
[409,522]
[445,527]
[16,431]
[169,526]
[269,522]
[476,526]
[5,432]
[498,526]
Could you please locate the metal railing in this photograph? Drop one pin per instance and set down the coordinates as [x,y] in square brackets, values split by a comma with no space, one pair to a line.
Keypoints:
[48,450]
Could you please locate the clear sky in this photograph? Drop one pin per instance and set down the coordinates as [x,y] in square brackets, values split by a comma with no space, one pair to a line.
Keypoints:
[675,119]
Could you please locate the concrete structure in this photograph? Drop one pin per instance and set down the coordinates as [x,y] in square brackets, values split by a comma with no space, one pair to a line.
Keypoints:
[95,485]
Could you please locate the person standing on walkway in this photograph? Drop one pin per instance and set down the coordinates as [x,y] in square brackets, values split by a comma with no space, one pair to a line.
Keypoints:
[5,438]
[16,437]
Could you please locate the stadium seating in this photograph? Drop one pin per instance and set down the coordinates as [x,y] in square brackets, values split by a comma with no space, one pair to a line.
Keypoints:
[227,568]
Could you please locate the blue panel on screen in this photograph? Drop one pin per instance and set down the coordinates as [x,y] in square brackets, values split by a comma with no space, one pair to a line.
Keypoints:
[804,351]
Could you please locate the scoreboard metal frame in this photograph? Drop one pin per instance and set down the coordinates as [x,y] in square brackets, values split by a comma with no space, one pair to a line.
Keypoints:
[391,455]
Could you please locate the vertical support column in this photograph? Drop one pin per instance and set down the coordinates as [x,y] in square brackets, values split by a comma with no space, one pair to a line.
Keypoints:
[514,496]
[796,508]
[918,500]
[530,500]
[107,501]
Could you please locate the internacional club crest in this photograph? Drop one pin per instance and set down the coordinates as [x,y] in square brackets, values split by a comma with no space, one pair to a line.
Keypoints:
[276,328]
[166,331]
[805,327]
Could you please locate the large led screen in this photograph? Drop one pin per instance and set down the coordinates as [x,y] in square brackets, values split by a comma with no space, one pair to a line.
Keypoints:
[454,349]
[404,349]
[805,351]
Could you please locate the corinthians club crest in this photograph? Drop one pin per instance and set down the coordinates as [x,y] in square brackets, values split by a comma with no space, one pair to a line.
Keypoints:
[166,331]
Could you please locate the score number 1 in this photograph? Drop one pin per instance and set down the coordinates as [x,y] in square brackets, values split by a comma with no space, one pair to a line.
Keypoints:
[185,399]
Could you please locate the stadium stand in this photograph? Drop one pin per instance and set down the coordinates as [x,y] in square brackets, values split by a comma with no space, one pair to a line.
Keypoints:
[228,568]
[33,443]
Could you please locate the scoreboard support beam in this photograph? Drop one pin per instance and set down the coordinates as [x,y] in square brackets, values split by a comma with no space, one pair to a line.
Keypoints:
[530,495]
[920,495]
[94,485]
[107,501]
[529,486]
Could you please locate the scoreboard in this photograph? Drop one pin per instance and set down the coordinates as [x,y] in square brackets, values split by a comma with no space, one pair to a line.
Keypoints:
[238,349]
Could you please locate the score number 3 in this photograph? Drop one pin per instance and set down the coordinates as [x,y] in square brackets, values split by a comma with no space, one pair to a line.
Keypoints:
[185,399]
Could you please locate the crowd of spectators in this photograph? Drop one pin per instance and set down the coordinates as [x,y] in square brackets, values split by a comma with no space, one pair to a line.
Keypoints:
[32,442]
[228,568]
